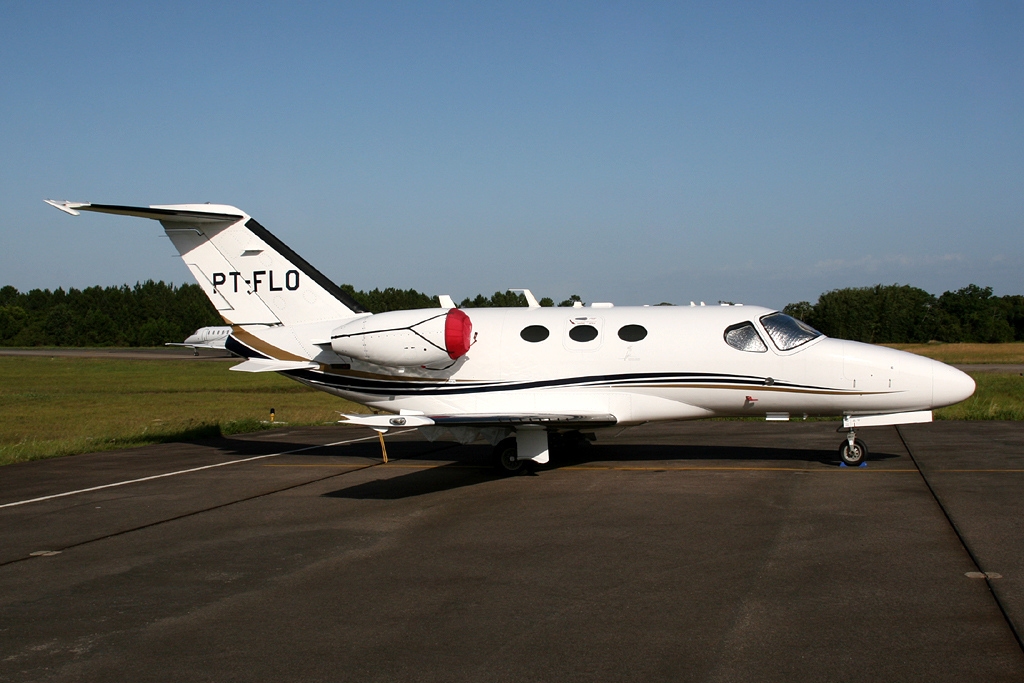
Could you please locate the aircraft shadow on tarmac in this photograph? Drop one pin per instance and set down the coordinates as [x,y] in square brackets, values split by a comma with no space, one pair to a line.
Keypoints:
[472,464]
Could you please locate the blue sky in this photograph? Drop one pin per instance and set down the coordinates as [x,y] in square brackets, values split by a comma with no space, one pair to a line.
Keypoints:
[634,153]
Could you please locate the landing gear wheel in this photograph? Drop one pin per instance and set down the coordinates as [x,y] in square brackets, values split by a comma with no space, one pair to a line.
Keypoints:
[505,458]
[853,455]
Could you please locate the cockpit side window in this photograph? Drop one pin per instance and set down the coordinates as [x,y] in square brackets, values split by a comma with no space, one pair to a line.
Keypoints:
[745,338]
[786,332]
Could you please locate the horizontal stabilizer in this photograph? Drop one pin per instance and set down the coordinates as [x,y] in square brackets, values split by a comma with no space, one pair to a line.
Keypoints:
[270,365]
[194,213]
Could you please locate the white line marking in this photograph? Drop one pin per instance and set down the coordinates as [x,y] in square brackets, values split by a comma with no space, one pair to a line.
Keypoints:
[194,469]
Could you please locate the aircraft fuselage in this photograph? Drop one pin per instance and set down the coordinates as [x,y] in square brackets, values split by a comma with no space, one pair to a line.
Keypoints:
[682,368]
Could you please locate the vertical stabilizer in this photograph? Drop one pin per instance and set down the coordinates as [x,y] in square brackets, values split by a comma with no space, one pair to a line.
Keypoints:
[250,276]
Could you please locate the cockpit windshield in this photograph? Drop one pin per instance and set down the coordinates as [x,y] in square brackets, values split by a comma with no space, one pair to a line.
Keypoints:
[788,333]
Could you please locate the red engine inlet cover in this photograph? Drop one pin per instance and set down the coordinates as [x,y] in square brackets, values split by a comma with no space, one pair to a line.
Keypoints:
[458,330]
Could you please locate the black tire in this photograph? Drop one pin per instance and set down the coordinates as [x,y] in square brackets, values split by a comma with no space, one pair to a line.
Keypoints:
[505,458]
[853,457]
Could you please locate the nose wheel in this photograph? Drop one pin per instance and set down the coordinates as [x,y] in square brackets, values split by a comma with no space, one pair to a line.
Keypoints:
[852,451]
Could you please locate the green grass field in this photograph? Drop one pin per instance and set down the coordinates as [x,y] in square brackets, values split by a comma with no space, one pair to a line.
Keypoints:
[61,406]
[1011,353]
[999,396]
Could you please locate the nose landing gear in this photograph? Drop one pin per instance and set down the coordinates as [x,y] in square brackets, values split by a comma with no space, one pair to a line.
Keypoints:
[852,451]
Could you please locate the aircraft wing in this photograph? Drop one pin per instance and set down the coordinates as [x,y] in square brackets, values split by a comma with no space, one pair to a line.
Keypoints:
[555,420]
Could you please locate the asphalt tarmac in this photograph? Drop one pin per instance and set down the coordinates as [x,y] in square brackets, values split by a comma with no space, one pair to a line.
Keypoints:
[707,551]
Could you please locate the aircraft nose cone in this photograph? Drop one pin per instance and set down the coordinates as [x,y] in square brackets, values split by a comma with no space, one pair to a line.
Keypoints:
[950,385]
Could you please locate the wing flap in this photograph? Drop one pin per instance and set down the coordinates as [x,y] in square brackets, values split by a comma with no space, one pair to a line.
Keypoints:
[556,420]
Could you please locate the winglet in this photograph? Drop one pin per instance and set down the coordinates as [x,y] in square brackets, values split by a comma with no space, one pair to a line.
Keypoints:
[65,206]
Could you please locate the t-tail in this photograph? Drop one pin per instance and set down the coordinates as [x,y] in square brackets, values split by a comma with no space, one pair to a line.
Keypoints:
[250,276]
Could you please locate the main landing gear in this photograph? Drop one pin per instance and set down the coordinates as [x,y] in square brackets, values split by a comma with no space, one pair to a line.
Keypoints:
[531,446]
[852,451]
[506,458]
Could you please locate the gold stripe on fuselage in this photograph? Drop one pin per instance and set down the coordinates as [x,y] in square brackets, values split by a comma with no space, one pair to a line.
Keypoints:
[257,344]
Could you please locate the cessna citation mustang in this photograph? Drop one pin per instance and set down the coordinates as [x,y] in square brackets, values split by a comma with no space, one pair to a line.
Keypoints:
[516,376]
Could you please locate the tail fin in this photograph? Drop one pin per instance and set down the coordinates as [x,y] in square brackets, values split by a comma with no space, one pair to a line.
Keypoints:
[250,276]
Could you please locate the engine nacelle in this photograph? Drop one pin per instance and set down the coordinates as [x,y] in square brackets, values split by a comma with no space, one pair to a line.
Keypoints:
[405,338]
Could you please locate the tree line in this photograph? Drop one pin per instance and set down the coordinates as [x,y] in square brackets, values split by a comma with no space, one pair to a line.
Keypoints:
[903,314]
[152,313]
[148,314]
[391,299]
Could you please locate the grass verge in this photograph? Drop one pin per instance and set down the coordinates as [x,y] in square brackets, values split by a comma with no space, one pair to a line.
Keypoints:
[61,406]
[1011,353]
[998,396]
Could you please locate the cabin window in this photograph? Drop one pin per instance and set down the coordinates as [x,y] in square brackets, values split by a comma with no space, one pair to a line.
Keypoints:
[534,333]
[583,333]
[745,338]
[632,333]
[788,333]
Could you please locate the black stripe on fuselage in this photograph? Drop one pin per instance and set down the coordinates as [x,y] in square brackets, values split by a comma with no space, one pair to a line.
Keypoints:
[401,388]
[304,265]
[387,387]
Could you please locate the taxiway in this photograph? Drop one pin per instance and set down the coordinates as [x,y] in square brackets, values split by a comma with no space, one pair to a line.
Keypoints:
[709,551]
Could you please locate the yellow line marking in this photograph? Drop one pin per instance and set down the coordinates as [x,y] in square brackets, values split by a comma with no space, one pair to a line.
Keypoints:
[725,469]
[392,465]
[340,464]
[602,468]
[1007,470]
[630,468]
[430,467]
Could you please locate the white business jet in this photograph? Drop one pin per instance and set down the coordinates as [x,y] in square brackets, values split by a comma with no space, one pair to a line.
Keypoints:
[205,338]
[516,375]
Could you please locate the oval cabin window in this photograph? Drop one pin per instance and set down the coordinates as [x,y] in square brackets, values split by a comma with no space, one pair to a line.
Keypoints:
[534,333]
[583,333]
[632,333]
